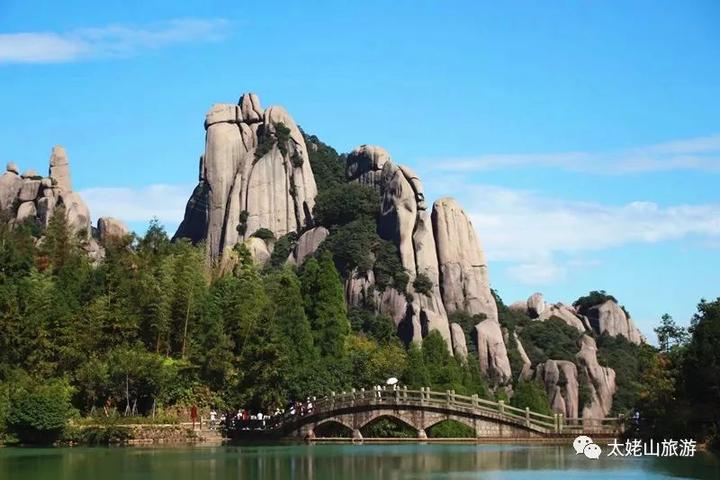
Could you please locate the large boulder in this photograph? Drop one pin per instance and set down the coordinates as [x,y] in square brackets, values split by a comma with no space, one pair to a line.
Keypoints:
[10,185]
[609,318]
[458,340]
[111,228]
[601,382]
[259,250]
[535,305]
[564,313]
[307,244]
[365,165]
[464,278]
[255,174]
[526,371]
[492,354]
[560,379]
[60,169]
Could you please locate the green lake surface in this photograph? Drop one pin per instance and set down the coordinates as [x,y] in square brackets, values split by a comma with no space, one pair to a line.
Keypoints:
[340,462]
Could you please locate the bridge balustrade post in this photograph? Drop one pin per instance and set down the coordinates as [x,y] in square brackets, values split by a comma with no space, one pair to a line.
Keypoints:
[352,396]
[405,392]
[475,400]
[397,395]
[362,393]
[561,422]
[556,425]
[501,406]
[448,397]
[621,420]
[527,416]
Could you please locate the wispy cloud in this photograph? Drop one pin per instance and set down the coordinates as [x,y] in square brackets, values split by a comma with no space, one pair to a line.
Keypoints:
[702,154]
[542,239]
[107,41]
[166,202]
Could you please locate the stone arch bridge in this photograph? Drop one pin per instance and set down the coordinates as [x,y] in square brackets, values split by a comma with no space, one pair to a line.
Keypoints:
[421,409]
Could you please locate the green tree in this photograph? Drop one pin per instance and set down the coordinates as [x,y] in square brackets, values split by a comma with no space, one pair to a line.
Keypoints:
[286,308]
[701,368]
[344,203]
[529,394]
[670,334]
[325,305]
[39,412]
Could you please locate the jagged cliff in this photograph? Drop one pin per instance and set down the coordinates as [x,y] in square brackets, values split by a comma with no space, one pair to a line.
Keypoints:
[254,174]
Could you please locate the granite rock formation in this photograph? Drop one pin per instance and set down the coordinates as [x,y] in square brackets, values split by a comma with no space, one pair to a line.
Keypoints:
[609,318]
[254,174]
[30,196]
[560,379]
[442,247]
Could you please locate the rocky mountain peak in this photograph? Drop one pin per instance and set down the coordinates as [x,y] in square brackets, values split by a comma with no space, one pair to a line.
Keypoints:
[254,174]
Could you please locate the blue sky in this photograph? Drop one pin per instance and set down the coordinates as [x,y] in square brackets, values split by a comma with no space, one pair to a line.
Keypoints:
[582,137]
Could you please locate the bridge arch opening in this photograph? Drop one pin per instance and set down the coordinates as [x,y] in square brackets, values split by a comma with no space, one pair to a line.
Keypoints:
[388,426]
[450,428]
[332,429]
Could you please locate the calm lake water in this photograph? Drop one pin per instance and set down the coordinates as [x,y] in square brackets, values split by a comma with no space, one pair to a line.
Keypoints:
[340,462]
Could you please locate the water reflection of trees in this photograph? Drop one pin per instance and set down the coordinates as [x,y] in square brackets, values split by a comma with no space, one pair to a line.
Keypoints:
[325,462]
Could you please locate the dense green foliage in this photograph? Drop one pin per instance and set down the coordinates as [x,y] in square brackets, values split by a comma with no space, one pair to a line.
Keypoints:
[551,339]
[630,362]
[39,412]
[387,427]
[680,393]
[345,202]
[153,327]
[264,234]
[450,429]
[328,167]
[529,394]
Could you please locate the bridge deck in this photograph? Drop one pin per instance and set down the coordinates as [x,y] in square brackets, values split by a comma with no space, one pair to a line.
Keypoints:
[372,404]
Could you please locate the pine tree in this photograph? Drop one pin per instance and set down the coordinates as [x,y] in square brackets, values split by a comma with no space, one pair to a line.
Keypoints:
[325,305]
[286,308]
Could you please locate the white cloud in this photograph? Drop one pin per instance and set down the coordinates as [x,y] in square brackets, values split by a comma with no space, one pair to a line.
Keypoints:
[166,202]
[107,41]
[701,154]
[544,238]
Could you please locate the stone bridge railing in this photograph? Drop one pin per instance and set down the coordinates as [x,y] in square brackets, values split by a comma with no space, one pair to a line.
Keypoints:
[344,407]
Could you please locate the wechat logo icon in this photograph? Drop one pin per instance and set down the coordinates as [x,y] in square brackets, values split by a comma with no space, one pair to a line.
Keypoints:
[584,444]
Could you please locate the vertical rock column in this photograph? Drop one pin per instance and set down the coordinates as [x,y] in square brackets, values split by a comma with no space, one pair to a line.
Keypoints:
[465,285]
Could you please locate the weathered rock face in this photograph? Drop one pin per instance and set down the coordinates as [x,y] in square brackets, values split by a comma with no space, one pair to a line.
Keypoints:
[536,307]
[259,250]
[609,318]
[463,270]
[458,341]
[601,381]
[31,196]
[564,313]
[404,220]
[492,354]
[109,228]
[307,244]
[526,371]
[560,379]
[255,173]
[60,169]
[365,165]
